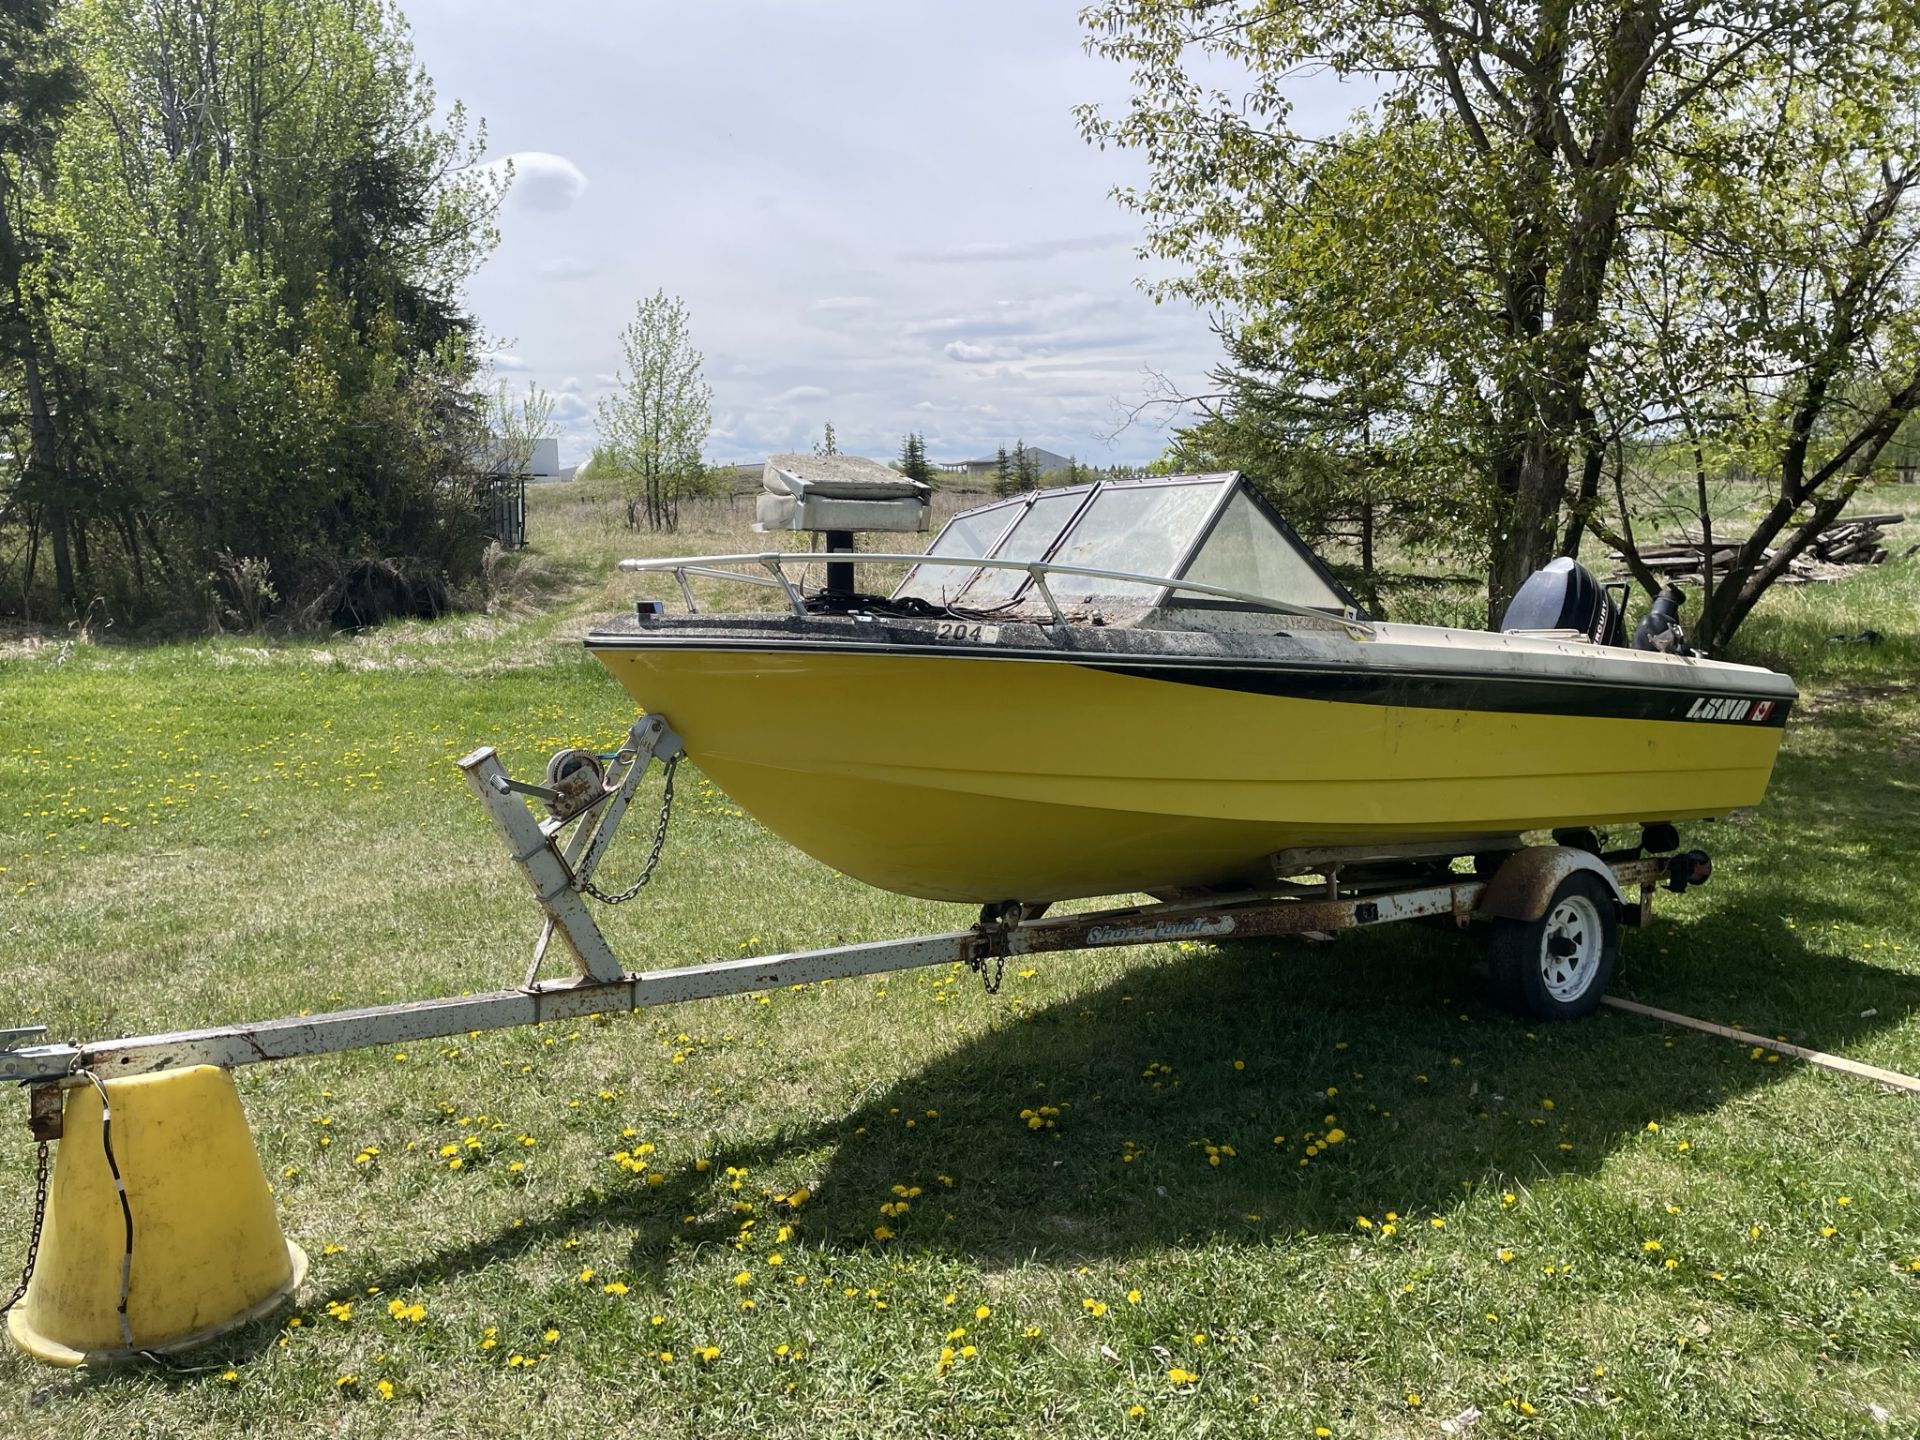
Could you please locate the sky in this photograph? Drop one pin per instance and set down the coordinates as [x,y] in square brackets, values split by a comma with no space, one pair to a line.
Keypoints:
[878,214]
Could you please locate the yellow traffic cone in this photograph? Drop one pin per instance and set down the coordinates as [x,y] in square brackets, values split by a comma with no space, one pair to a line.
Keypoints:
[207,1252]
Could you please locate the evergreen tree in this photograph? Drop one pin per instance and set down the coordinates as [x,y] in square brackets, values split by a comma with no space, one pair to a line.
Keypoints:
[1026,470]
[913,459]
[1004,480]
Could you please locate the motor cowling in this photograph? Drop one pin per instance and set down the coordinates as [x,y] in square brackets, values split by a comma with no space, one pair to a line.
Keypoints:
[1563,595]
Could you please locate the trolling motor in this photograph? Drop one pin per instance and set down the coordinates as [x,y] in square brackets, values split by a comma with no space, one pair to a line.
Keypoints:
[1659,629]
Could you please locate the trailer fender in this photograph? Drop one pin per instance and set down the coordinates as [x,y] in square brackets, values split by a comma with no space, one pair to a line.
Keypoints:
[1522,888]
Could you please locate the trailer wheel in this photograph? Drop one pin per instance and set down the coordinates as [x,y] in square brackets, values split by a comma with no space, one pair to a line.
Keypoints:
[1558,967]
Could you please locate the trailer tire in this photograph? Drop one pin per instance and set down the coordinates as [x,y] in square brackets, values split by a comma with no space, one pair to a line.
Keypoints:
[1558,966]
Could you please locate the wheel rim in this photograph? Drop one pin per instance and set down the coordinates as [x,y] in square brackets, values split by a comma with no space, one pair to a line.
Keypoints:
[1570,950]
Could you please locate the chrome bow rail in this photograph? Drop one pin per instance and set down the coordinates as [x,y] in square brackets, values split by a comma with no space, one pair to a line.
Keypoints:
[730,567]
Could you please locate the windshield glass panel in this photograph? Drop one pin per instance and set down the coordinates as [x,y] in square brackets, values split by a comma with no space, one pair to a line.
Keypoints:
[1245,552]
[1030,538]
[1145,529]
[970,535]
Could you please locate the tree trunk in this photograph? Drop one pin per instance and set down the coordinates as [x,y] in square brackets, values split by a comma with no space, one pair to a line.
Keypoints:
[1533,508]
[1592,463]
[43,476]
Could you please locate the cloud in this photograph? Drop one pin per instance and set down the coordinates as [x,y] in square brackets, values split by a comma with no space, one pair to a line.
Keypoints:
[799,393]
[541,181]
[842,302]
[969,353]
[504,360]
[567,267]
[1002,251]
[571,410]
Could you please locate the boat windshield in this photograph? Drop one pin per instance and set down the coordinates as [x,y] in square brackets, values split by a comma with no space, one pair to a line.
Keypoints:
[970,535]
[1030,538]
[1246,551]
[1145,529]
[1213,529]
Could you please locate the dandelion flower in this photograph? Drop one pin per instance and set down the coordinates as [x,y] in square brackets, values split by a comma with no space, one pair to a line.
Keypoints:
[1181,1377]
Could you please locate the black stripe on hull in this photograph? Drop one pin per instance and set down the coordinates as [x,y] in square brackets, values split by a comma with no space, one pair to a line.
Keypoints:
[1511,693]
[1500,694]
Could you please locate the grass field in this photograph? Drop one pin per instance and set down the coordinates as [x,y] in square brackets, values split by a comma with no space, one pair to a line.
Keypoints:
[1600,1229]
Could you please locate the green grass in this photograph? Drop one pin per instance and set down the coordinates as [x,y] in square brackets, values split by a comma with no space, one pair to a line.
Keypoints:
[226,830]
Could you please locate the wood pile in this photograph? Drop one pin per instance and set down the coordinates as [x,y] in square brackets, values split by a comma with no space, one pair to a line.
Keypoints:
[1681,559]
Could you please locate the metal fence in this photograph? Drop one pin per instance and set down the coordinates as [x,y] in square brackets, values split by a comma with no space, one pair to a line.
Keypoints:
[503,499]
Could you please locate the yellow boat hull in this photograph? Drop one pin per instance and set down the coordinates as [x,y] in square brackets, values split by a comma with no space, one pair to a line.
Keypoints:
[983,779]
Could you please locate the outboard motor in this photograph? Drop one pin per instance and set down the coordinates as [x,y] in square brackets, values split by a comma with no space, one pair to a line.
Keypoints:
[1563,595]
[1659,629]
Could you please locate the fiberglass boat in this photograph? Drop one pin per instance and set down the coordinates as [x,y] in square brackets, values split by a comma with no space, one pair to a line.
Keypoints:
[1155,686]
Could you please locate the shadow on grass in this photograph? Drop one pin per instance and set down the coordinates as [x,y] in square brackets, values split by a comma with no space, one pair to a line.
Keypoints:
[1390,1034]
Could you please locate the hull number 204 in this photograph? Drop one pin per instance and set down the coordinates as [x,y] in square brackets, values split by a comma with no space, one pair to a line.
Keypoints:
[961,630]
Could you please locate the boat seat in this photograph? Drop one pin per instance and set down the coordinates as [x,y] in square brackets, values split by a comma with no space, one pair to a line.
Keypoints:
[1563,595]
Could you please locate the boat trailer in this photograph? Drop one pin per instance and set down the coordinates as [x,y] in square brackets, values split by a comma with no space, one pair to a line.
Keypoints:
[1343,889]
[1557,906]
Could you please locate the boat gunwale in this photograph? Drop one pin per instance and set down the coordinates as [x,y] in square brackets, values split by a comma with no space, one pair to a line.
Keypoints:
[1362,681]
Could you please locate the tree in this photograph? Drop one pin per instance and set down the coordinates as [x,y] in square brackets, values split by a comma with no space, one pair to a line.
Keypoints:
[913,459]
[257,373]
[38,85]
[1458,240]
[654,425]
[519,425]
[826,445]
[1768,327]
[1026,470]
[1006,480]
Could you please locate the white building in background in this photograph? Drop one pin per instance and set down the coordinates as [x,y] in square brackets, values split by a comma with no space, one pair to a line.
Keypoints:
[543,464]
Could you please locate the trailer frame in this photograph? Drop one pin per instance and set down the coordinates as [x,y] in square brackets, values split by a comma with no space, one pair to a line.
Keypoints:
[1314,893]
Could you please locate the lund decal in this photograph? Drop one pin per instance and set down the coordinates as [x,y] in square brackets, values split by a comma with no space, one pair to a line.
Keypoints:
[1159,930]
[1724,708]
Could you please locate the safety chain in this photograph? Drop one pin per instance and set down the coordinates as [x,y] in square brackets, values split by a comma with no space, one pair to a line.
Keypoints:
[991,983]
[45,1168]
[653,856]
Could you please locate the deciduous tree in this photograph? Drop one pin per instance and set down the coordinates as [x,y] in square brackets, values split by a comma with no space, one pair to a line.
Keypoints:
[654,424]
[1460,235]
